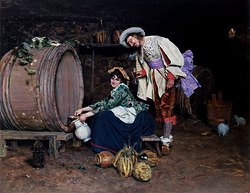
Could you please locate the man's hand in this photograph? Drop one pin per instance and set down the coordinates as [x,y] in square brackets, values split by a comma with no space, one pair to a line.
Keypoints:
[139,73]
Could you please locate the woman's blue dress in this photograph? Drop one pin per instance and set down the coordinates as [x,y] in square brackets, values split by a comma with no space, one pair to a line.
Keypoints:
[109,133]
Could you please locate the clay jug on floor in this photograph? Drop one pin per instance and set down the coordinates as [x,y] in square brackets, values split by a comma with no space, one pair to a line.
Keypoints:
[104,159]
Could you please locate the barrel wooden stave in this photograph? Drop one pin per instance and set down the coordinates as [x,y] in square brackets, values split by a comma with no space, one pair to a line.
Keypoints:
[42,101]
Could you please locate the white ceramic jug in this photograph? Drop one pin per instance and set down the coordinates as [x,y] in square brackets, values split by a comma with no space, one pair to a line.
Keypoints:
[82,131]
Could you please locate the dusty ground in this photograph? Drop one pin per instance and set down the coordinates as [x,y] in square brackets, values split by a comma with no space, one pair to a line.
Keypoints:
[200,162]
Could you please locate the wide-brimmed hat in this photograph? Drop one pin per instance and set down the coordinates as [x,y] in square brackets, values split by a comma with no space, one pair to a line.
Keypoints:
[129,31]
[123,72]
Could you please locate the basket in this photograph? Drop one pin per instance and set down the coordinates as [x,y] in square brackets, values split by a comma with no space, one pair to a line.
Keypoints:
[218,111]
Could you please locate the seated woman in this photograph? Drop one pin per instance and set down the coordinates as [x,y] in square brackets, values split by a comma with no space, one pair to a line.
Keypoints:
[118,119]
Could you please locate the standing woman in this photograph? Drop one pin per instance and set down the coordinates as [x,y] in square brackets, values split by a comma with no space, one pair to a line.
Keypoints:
[118,119]
[158,65]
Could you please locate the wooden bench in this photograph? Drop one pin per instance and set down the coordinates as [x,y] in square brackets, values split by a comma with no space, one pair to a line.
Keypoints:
[53,137]
[154,139]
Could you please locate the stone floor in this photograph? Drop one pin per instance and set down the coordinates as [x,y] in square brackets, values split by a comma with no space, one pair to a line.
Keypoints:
[199,162]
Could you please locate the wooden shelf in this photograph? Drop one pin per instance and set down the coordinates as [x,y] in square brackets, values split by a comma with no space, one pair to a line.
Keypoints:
[90,46]
[104,49]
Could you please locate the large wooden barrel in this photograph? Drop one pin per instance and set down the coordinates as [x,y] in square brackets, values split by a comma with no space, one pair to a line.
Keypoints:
[195,105]
[40,101]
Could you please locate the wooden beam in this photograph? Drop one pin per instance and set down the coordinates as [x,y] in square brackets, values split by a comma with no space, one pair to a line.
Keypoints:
[33,135]
[3,151]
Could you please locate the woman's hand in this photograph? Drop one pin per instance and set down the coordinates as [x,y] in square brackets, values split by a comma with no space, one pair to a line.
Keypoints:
[78,112]
[84,109]
[82,117]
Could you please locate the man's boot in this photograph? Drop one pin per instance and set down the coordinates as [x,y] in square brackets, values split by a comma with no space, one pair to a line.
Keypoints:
[167,128]
[167,138]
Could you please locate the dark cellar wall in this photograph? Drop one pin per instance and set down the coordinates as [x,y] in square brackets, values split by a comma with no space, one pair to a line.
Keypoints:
[201,26]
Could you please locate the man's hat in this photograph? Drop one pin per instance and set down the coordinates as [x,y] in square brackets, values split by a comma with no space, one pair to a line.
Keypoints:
[129,31]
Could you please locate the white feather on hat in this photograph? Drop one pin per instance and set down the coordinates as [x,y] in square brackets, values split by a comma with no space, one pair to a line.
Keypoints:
[129,31]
